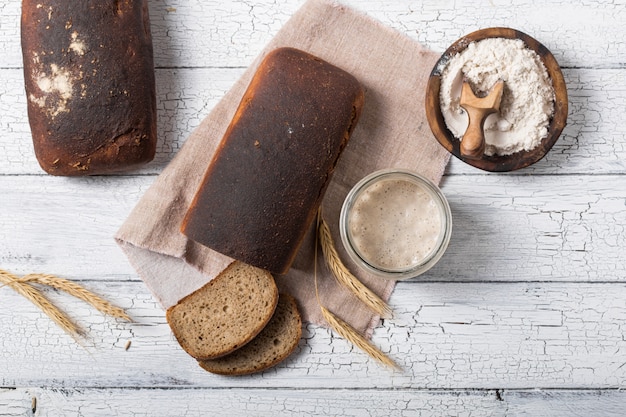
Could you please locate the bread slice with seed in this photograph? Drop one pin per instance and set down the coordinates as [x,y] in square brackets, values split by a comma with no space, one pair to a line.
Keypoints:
[275,343]
[226,313]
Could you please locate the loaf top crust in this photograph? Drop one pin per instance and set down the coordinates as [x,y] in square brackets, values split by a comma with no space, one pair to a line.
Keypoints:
[89,78]
[262,189]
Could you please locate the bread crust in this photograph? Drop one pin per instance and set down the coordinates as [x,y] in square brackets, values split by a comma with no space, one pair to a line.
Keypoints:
[90,85]
[262,189]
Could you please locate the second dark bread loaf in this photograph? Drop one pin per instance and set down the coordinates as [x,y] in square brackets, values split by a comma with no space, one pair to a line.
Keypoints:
[266,181]
[89,78]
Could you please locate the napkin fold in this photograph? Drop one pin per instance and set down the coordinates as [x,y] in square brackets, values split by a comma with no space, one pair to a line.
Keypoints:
[392,132]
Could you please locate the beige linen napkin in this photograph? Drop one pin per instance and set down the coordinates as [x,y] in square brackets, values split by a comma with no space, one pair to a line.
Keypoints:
[392,132]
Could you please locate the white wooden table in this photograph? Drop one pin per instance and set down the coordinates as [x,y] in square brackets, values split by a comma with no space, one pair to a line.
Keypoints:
[524,316]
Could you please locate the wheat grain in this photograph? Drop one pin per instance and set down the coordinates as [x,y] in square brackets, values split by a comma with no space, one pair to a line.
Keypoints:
[34,296]
[345,277]
[349,333]
[77,291]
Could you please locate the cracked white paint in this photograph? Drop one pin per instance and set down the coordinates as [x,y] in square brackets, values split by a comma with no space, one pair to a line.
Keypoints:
[445,335]
[271,402]
[217,33]
[530,293]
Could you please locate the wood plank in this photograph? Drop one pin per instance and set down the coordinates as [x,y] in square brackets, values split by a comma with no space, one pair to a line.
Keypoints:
[249,402]
[66,226]
[211,33]
[53,402]
[534,228]
[505,228]
[592,142]
[444,336]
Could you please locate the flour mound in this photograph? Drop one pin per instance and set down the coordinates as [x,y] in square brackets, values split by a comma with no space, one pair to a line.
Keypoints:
[527,100]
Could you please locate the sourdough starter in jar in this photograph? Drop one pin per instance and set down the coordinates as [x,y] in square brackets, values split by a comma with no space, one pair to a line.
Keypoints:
[395,224]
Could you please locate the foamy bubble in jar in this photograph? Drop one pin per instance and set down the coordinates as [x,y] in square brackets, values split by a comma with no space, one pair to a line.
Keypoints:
[395,224]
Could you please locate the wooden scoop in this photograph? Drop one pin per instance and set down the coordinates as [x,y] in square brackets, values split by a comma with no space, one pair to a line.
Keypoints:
[478,108]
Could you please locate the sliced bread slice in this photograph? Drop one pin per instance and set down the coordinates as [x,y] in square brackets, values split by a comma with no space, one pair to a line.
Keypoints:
[226,313]
[275,343]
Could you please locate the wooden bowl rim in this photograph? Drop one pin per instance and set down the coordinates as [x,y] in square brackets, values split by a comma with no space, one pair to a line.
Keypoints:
[497,163]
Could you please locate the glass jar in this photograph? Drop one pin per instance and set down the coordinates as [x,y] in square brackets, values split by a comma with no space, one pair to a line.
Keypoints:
[395,224]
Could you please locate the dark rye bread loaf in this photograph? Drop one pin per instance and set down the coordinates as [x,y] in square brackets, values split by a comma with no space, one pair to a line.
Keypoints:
[89,79]
[273,345]
[226,313]
[262,189]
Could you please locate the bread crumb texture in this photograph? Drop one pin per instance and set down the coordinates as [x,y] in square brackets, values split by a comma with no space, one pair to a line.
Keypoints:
[274,344]
[226,313]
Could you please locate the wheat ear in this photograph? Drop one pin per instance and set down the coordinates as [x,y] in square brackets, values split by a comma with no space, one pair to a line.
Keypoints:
[34,296]
[349,333]
[344,329]
[345,277]
[77,291]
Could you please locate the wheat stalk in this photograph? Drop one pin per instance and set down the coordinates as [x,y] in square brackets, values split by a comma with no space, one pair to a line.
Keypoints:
[77,291]
[34,296]
[345,277]
[349,333]
[25,287]
[344,329]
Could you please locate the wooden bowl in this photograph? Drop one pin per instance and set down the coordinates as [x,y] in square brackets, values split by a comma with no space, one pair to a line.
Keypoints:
[497,163]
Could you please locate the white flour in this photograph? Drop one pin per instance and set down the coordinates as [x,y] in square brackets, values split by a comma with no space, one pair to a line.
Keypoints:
[527,101]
